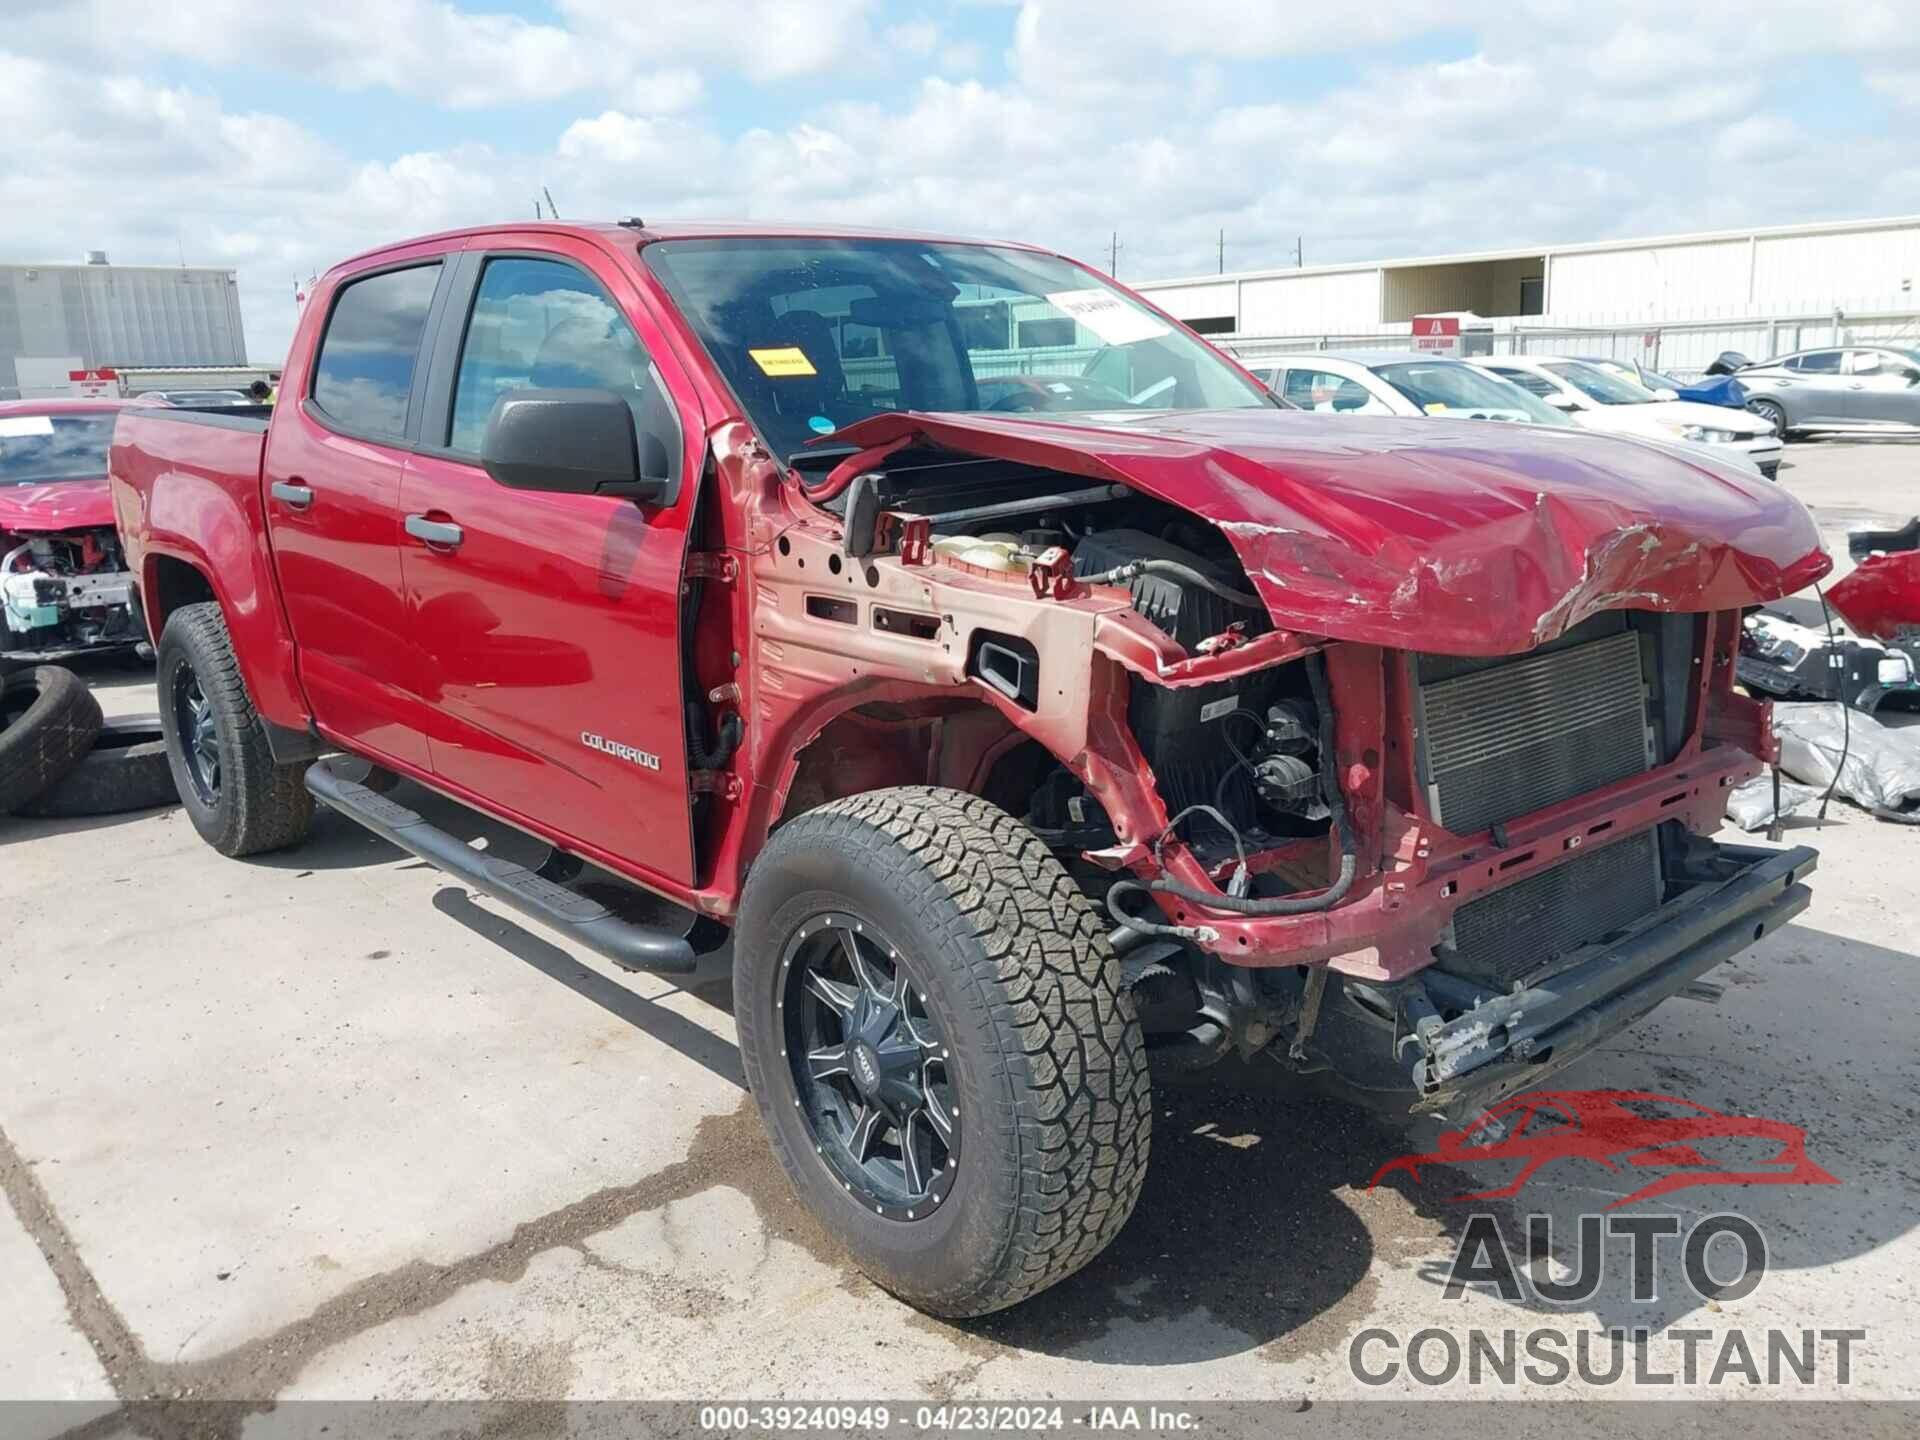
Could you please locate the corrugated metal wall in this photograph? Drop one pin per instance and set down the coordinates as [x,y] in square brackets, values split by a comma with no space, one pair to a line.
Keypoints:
[119,315]
[1860,268]
[1310,302]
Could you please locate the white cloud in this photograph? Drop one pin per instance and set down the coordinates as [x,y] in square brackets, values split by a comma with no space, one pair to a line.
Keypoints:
[1557,122]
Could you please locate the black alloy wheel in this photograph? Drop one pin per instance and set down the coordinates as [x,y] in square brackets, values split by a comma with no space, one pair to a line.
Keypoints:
[870,1066]
[199,731]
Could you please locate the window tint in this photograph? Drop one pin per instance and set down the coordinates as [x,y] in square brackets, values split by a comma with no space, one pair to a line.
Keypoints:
[35,449]
[365,370]
[541,325]
[1818,362]
[1323,390]
[1526,380]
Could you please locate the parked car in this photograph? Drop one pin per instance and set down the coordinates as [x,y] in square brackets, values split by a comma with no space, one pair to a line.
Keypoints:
[1398,382]
[63,584]
[1721,390]
[1867,389]
[1008,748]
[1602,401]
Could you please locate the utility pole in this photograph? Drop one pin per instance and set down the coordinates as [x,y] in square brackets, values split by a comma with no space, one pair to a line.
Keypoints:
[1223,252]
[1299,252]
[1113,256]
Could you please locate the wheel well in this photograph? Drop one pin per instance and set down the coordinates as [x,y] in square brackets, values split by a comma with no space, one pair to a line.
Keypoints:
[174,583]
[960,745]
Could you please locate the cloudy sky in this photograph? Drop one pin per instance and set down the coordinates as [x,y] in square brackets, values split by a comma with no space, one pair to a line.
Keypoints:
[277,139]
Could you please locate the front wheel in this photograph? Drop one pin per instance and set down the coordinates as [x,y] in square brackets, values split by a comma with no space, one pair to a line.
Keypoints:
[933,1026]
[239,800]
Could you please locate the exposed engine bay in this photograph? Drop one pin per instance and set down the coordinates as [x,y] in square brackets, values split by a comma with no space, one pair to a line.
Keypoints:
[1354,897]
[69,590]
[1237,762]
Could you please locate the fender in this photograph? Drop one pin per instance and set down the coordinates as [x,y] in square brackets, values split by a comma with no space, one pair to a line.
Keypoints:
[192,512]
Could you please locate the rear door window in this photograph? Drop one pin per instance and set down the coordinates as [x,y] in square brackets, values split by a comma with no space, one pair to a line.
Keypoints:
[363,377]
[1817,362]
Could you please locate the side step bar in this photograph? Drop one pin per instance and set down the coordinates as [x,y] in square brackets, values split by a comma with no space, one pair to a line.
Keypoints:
[631,947]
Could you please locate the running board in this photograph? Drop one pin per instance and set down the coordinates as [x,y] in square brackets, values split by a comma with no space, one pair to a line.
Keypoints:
[630,946]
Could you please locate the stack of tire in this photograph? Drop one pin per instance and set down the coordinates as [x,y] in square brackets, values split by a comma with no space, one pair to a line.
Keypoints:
[60,758]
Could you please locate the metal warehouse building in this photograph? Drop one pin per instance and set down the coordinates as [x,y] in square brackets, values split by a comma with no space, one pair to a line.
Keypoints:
[1763,291]
[56,318]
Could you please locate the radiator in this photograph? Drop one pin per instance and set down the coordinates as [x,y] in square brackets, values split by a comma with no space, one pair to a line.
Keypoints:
[1502,739]
[1502,937]
[1510,738]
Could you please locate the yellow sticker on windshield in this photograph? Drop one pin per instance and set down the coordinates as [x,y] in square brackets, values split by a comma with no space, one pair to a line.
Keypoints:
[1434,407]
[783,360]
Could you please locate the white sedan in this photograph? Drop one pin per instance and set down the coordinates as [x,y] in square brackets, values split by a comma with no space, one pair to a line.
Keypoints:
[1400,382]
[1603,401]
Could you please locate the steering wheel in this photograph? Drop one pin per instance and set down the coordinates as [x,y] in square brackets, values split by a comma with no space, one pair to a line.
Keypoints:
[1019,400]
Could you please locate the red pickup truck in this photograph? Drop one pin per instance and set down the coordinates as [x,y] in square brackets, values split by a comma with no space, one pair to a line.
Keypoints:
[1015,734]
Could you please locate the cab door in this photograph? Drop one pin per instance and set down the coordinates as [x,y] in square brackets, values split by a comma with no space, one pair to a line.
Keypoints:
[550,623]
[332,471]
[1882,389]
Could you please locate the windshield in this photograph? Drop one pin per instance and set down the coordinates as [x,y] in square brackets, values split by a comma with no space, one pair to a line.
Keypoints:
[1599,386]
[35,449]
[815,334]
[1449,387]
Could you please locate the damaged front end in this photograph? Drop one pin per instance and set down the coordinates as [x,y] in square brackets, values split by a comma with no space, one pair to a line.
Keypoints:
[65,591]
[1389,750]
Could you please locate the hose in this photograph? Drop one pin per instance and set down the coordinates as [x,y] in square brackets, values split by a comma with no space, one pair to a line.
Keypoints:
[1120,574]
[732,728]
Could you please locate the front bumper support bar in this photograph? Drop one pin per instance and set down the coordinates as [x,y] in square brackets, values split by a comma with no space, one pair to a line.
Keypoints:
[1513,1041]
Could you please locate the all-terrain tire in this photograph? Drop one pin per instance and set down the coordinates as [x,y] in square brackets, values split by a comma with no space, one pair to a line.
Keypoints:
[1047,1069]
[48,721]
[127,769]
[258,805]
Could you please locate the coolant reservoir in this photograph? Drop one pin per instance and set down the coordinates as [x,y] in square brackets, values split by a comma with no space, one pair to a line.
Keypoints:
[984,554]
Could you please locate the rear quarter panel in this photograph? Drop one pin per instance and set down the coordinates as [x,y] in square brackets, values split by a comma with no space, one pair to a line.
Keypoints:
[188,490]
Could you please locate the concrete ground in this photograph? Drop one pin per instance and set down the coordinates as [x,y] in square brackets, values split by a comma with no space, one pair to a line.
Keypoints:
[324,1126]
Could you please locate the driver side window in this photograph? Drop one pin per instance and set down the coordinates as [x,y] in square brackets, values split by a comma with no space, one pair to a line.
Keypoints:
[541,325]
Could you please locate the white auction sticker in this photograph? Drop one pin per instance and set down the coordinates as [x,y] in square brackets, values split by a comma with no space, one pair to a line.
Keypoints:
[18,427]
[1108,316]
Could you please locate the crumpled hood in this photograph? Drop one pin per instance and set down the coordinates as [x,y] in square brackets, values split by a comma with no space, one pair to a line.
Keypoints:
[1461,537]
[61,505]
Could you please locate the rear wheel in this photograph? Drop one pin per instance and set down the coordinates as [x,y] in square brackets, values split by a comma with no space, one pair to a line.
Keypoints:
[239,800]
[1773,412]
[932,1022]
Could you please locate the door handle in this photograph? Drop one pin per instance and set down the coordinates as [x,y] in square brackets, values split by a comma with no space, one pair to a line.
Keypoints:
[293,493]
[435,532]
[1858,385]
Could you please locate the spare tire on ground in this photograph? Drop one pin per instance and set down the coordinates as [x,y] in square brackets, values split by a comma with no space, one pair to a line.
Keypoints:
[126,770]
[48,721]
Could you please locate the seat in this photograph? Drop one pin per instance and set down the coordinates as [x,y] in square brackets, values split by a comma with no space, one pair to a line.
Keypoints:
[812,334]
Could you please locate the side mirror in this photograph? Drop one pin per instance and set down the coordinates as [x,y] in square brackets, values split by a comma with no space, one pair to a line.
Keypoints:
[1560,400]
[580,442]
[1665,394]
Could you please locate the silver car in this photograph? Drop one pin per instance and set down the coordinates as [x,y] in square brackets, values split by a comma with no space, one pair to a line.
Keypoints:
[1861,388]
